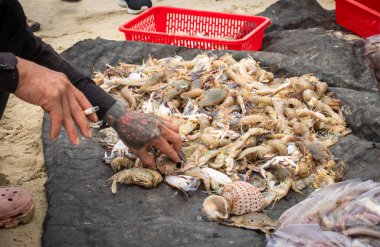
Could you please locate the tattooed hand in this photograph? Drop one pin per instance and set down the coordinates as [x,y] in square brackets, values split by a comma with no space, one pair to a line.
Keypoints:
[140,131]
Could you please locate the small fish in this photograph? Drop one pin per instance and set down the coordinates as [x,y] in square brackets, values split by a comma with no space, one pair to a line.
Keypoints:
[252,221]
[186,184]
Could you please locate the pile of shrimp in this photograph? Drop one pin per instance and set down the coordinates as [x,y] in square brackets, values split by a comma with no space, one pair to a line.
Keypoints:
[237,118]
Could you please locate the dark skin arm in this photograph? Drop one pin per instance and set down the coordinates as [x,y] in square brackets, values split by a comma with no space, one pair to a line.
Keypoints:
[140,131]
[52,91]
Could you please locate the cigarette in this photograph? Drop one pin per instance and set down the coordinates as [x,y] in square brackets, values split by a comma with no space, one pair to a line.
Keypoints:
[91,110]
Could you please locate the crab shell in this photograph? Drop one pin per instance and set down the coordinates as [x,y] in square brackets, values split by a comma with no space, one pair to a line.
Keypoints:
[212,97]
[217,176]
[186,184]
[216,208]
[165,165]
[243,198]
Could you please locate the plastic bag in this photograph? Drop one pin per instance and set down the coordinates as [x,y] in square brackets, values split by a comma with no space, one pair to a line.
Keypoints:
[350,208]
[323,201]
[307,235]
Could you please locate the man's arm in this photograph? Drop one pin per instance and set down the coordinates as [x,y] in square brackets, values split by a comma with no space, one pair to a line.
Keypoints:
[17,38]
[41,83]
[41,53]
[8,73]
[138,131]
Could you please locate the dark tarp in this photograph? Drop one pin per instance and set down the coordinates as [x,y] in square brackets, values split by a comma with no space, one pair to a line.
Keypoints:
[82,210]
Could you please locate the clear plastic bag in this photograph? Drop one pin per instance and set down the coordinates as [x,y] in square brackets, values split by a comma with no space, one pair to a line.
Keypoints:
[324,201]
[298,235]
[350,208]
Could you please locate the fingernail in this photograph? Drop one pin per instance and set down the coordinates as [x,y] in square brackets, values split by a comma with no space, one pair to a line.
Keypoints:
[89,133]
[77,142]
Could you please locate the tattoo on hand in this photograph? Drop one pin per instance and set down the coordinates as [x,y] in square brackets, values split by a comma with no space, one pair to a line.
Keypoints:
[138,129]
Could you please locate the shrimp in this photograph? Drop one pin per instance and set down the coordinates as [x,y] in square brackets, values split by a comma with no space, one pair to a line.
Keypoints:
[309,94]
[276,192]
[194,159]
[323,178]
[290,113]
[257,152]
[301,184]
[187,128]
[326,109]
[306,112]
[321,89]
[129,97]
[265,100]
[305,164]
[279,146]
[240,100]
[204,122]
[212,141]
[228,59]
[294,103]
[254,119]
[273,91]
[209,155]
[194,93]
[219,160]
[234,148]
[229,101]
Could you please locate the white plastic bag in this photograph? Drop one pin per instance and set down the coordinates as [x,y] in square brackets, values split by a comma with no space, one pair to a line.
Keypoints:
[350,208]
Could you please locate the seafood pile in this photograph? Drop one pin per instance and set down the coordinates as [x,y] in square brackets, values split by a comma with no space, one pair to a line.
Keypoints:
[350,208]
[237,123]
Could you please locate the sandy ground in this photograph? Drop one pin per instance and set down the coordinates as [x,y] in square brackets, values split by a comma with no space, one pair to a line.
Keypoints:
[62,25]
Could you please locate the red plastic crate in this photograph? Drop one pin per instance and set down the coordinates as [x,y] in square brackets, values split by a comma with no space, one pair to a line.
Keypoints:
[362,17]
[197,29]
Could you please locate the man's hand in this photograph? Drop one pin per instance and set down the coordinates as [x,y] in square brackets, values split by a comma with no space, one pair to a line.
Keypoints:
[140,131]
[56,95]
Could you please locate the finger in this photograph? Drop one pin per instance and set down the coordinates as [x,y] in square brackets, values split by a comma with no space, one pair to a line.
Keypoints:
[78,116]
[173,127]
[68,122]
[177,146]
[173,138]
[146,158]
[84,103]
[56,121]
[166,119]
[164,146]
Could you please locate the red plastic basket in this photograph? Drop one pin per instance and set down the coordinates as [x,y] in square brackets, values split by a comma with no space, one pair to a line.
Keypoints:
[197,29]
[362,17]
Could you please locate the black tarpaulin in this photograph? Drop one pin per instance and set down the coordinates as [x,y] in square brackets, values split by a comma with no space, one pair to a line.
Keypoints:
[82,210]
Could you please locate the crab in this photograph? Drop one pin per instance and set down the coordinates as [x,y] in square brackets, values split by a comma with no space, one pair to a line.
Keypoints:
[279,160]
